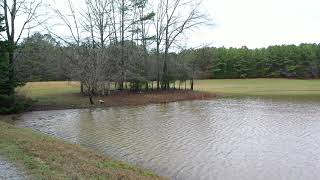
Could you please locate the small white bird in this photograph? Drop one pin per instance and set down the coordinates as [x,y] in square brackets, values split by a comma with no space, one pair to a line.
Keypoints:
[101,101]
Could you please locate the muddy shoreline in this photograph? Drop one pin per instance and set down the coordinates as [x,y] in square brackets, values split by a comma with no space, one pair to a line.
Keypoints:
[127,98]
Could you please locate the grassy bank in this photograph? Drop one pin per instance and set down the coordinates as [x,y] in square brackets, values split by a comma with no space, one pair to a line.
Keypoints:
[45,157]
[266,88]
[62,95]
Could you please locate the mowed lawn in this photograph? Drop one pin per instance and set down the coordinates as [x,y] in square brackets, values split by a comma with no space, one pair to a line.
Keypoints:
[54,93]
[269,88]
[67,93]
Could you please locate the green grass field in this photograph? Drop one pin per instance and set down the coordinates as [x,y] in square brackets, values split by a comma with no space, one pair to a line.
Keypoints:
[67,93]
[54,93]
[265,88]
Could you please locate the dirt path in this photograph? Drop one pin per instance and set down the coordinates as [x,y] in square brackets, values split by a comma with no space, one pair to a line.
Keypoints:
[9,171]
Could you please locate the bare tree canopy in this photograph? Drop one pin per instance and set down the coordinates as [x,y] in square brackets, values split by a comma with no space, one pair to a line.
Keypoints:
[20,16]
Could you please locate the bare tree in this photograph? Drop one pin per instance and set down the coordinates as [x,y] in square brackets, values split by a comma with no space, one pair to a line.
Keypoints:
[159,27]
[97,20]
[69,20]
[123,9]
[180,16]
[86,49]
[75,54]
[89,65]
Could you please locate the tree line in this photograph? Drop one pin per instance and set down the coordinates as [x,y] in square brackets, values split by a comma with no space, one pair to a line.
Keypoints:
[280,61]
[34,64]
[285,61]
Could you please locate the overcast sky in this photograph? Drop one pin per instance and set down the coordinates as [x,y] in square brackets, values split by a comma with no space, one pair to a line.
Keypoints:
[256,23]
[259,23]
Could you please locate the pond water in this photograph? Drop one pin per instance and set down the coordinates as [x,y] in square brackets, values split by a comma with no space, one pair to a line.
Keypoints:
[219,139]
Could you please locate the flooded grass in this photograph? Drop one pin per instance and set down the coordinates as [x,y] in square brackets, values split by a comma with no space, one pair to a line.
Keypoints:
[49,158]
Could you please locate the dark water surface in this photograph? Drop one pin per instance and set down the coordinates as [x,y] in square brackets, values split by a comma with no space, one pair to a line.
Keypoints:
[223,139]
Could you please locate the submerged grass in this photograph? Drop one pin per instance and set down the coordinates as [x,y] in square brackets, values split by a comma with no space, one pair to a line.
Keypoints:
[45,157]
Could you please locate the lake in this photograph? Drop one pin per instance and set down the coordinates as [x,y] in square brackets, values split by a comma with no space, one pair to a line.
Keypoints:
[219,139]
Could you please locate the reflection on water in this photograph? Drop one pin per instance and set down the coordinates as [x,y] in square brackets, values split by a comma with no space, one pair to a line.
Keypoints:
[219,139]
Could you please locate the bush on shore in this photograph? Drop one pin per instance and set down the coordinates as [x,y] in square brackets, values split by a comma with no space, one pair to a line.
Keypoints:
[14,104]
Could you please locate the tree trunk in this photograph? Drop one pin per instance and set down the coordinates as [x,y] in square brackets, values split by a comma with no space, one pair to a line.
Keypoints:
[91,99]
[193,72]
[81,87]
[191,84]
[165,81]
[90,96]
[158,56]
[165,63]
[121,83]
[158,67]
[108,87]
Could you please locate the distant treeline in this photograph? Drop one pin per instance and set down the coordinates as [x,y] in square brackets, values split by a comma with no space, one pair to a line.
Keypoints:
[41,59]
[285,61]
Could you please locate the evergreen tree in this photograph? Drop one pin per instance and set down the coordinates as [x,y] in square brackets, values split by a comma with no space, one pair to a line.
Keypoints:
[4,67]
[8,101]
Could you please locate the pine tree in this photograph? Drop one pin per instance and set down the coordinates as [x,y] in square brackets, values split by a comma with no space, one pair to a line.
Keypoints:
[8,102]
[4,68]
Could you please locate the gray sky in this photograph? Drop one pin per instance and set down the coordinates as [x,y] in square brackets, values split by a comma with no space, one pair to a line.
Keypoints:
[255,23]
[259,23]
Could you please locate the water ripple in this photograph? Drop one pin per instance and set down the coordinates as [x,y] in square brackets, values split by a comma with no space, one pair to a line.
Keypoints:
[220,139]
